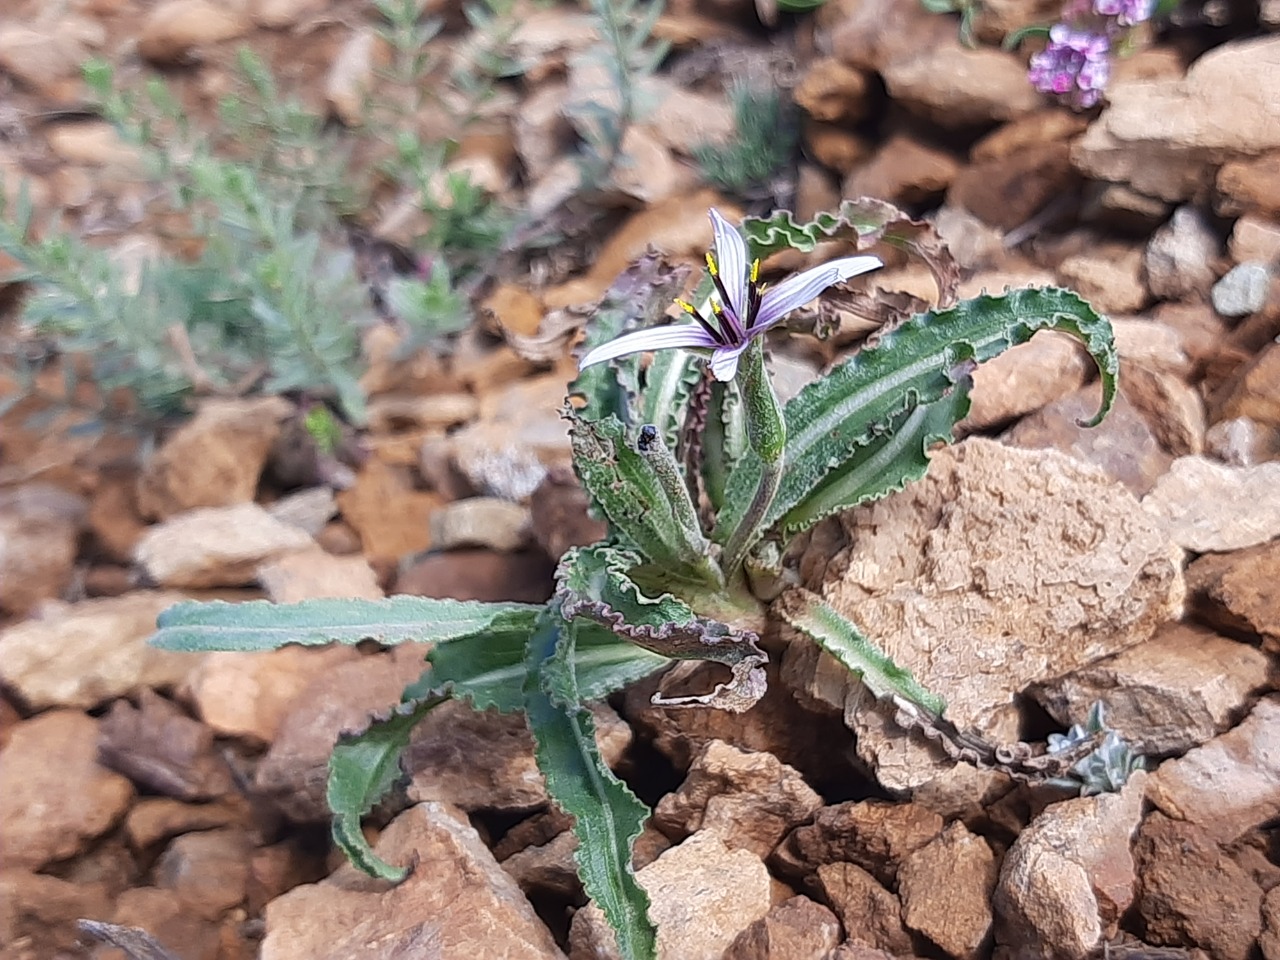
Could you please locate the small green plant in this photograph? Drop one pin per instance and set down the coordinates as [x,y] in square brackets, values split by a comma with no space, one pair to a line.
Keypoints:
[763,145]
[704,481]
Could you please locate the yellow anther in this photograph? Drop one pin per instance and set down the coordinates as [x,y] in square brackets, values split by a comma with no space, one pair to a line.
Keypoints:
[716,308]
[755,271]
[711,264]
[686,306]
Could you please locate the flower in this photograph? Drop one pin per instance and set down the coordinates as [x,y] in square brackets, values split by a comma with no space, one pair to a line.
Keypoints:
[1075,65]
[1126,12]
[744,310]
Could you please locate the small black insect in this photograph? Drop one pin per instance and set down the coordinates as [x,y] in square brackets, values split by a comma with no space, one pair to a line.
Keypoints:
[648,437]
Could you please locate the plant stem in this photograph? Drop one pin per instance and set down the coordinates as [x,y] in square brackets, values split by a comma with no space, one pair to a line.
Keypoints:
[668,473]
[767,434]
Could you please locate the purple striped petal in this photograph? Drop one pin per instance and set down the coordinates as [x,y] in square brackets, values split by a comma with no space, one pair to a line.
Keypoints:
[654,338]
[724,362]
[731,261]
[796,291]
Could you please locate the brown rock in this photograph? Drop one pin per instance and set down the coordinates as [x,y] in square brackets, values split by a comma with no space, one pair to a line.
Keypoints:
[1069,876]
[113,517]
[869,912]
[946,889]
[463,906]
[49,811]
[1174,409]
[548,868]
[836,148]
[558,514]
[796,929]
[702,895]
[46,61]
[279,868]
[1123,445]
[1007,191]
[833,92]
[870,35]
[955,86]
[215,546]
[1229,785]
[352,74]
[480,522]
[905,171]
[392,518]
[309,510]
[484,761]
[38,912]
[1180,257]
[1196,503]
[39,525]
[480,575]
[1191,894]
[1250,186]
[314,574]
[153,820]
[1182,687]
[84,654]
[1237,591]
[214,459]
[278,14]
[515,309]
[175,28]
[160,748]
[1269,939]
[1255,239]
[208,870]
[1025,378]
[749,800]
[1109,277]
[1242,442]
[1254,391]
[1045,126]
[247,694]
[170,921]
[875,835]
[992,546]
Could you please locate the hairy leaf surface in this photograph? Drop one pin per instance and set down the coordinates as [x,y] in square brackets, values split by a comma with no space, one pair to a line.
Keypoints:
[607,817]
[921,362]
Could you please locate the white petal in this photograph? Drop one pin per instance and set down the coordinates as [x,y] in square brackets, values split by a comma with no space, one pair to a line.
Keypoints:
[731,260]
[724,362]
[654,338]
[796,291]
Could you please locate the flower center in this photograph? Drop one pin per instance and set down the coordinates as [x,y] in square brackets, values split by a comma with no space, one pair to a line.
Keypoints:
[724,325]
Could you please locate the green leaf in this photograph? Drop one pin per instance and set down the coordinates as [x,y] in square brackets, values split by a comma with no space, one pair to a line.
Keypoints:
[646,505]
[607,817]
[362,768]
[262,625]
[884,465]
[863,221]
[668,384]
[724,439]
[919,363]
[593,584]
[823,624]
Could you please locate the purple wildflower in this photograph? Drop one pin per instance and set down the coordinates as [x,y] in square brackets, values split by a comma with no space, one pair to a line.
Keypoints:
[1127,13]
[744,310]
[1075,65]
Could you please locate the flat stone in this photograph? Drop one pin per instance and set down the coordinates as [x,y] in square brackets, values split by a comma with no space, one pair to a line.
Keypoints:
[869,912]
[215,546]
[702,895]
[1040,563]
[1181,688]
[1242,442]
[1255,239]
[903,170]
[50,811]
[457,903]
[173,30]
[1069,876]
[392,518]
[155,820]
[314,574]
[443,410]
[1123,445]
[1229,785]
[1006,191]
[481,522]
[87,653]
[956,86]
[1174,409]
[750,800]
[309,510]
[1250,185]
[1254,391]
[796,929]
[39,526]
[209,870]
[169,920]
[1023,379]
[1243,290]
[1197,504]
[1109,277]
[876,835]
[214,459]
[1191,893]
[1237,592]
[38,912]
[946,889]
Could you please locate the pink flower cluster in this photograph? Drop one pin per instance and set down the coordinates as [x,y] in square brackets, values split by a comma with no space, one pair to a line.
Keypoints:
[1075,65]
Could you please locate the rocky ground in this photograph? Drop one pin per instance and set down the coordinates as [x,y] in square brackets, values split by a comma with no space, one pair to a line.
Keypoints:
[1040,566]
